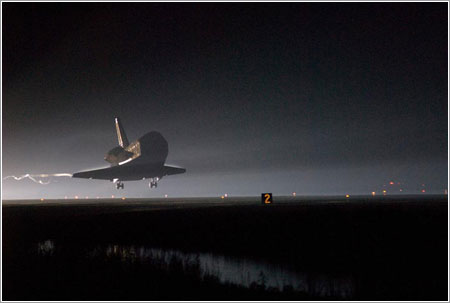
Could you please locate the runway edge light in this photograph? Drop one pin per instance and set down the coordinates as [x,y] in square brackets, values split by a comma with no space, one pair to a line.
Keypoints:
[266,198]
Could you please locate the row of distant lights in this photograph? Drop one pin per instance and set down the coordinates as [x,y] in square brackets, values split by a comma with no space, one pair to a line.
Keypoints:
[293,194]
[87,197]
[401,190]
[398,183]
[348,196]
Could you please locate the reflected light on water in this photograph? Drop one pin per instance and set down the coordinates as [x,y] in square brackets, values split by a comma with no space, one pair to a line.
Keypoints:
[243,271]
[228,270]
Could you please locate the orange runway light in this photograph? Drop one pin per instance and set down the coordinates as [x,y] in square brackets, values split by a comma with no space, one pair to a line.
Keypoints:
[423,190]
[42,199]
[347,196]
[222,197]
[123,198]
[373,193]
[391,183]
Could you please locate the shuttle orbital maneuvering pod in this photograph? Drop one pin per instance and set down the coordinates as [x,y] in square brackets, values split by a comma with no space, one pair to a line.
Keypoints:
[138,160]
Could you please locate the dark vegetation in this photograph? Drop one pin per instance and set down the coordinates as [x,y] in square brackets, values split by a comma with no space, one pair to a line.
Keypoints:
[392,250]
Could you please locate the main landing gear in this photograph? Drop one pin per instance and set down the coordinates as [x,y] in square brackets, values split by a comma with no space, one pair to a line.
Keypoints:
[153,182]
[120,185]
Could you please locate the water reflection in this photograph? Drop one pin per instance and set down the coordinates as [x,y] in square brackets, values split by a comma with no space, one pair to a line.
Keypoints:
[228,270]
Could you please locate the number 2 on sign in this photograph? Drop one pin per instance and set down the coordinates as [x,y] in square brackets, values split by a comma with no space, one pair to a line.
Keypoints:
[267,201]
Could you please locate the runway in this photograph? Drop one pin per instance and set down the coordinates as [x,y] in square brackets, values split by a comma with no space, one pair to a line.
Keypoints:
[190,202]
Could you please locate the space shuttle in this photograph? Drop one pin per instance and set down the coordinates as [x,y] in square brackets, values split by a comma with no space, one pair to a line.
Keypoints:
[143,159]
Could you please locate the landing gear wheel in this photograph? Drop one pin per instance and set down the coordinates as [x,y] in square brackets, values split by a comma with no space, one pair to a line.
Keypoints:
[120,185]
[153,182]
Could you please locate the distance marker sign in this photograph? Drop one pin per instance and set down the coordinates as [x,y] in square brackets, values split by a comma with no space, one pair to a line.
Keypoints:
[266,198]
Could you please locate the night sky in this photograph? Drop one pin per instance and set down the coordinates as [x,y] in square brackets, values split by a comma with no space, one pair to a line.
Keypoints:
[312,98]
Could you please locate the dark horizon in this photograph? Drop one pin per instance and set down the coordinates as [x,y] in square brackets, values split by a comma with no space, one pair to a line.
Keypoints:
[312,98]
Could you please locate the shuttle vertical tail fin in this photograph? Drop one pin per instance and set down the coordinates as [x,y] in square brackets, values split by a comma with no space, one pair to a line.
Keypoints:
[121,136]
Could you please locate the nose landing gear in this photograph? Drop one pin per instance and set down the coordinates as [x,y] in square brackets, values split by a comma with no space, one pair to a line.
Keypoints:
[120,185]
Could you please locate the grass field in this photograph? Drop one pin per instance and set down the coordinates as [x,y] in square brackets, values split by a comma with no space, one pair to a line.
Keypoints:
[303,248]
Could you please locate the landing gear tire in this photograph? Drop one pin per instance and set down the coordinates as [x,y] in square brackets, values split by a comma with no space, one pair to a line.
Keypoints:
[153,182]
[120,185]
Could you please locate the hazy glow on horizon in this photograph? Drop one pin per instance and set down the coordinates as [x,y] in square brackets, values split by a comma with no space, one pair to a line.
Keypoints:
[278,97]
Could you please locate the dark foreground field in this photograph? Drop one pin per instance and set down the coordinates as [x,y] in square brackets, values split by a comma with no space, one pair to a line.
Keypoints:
[233,249]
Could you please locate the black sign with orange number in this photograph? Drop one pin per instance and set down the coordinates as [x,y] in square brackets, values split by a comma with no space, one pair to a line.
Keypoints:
[266,198]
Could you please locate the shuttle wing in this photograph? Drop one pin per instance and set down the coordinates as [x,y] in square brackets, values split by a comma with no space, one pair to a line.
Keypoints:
[108,173]
[129,172]
[171,170]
